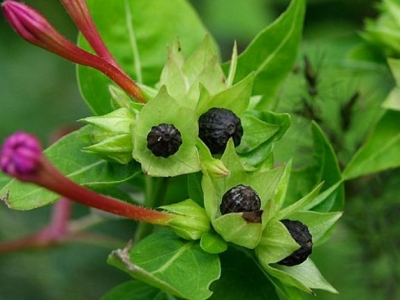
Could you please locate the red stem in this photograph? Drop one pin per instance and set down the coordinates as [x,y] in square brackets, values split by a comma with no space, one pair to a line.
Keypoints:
[61,214]
[53,180]
[79,12]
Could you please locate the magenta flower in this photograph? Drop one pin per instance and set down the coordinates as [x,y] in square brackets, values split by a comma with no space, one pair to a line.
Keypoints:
[21,157]
[79,13]
[34,28]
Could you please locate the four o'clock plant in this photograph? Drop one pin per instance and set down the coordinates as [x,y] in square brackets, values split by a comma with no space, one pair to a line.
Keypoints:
[202,121]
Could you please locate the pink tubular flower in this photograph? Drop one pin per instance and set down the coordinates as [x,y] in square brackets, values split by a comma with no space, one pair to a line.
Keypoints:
[79,12]
[34,28]
[21,157]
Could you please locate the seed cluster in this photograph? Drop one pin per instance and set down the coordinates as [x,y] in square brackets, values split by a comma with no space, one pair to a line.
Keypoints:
[242,198]
[302,236]
[217,126]
[164,140]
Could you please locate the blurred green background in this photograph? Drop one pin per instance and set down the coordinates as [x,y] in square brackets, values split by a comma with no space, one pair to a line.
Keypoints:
[40,95]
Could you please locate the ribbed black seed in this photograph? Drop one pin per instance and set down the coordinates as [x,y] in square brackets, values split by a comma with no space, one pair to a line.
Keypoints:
[164,140]
[242,198]
[217,126]
[303,237]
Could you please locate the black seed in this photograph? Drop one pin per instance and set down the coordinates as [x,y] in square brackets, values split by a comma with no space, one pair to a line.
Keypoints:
[242,198]
[164,140]
[302,236]
[217,126]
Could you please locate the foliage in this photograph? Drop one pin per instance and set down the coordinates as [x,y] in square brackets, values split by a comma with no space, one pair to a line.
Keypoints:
[177,64]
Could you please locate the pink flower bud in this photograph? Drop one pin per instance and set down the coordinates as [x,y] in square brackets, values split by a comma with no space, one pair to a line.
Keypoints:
[20,155]
[34,28]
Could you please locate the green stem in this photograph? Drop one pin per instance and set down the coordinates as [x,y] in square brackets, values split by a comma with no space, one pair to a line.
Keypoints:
[155,194]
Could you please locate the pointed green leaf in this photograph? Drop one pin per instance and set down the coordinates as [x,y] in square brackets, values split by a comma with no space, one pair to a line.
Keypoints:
[381,150]
[276,244]
[285,279]
[318,223]
[393,99]
[327,170]
[324,168]
[300,204]
[235,98]
[308,274]
[213,243]
[163,260]
[234,228]
[272,53]
[283,186]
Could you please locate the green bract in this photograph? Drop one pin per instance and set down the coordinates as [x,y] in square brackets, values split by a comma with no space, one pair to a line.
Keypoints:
[233,227]
[165,109]
[270,238]
[111,135]
[191,222]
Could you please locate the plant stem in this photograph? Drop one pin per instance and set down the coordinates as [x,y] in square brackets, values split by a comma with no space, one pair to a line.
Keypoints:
[155,192]
[53,180]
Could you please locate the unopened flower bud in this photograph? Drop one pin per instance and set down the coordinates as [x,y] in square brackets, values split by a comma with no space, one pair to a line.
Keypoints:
[20,155]
[190,220]
[111,136]
[34,28]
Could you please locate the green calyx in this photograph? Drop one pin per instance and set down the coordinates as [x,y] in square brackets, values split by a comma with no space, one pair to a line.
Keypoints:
[111,135]
[164,109]
[235,227]
[190,222]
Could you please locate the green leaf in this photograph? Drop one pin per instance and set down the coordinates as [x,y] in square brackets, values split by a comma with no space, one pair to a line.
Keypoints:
[235,98]
[276,244]
[318,223]
[241,279]
[381,150]
[194,187]
[285,279]
[136,290]
[167,262]
[137,33]
[191,221]
[300,204]
[234,228]
[383,32]
[393,99]
[84,169]
[272,53]
[213,243]
[261,127]
[325,168]
[4,179]
[283,186]
[308,274]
